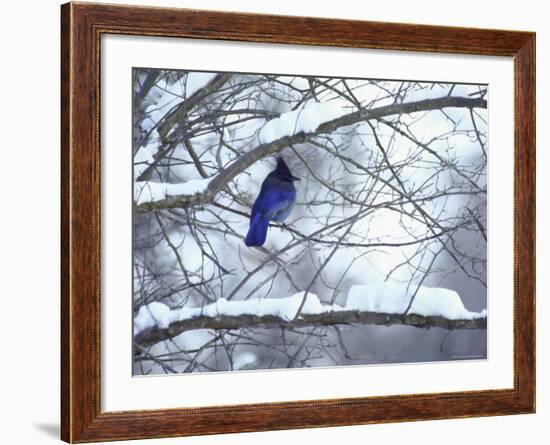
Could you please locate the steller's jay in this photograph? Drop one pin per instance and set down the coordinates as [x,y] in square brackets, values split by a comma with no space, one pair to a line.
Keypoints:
[274,203]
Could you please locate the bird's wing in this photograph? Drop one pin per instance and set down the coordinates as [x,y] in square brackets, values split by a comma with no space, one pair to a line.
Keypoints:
[273,202]
[280,212]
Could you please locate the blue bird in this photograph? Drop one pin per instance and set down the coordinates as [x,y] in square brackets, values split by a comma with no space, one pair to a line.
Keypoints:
[274,203]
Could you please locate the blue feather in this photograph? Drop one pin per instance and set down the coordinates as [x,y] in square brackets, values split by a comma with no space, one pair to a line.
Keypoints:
[274,203]
[257,231]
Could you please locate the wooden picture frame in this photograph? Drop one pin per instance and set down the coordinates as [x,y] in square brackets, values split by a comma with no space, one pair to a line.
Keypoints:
[82,26]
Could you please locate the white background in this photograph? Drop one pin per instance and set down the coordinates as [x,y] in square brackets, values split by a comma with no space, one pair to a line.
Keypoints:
[29,239]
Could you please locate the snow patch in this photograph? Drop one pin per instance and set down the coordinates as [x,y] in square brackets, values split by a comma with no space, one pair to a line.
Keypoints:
[152,97]
[143,158]
[380,298]
[154,315]
[157,191]
[244,360]
[196,81]
[305,119]
[284,308]
[145,154]
[394,299]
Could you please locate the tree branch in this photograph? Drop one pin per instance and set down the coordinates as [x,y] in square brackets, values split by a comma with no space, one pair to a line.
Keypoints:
[261,151]
[179,114]
[154,335]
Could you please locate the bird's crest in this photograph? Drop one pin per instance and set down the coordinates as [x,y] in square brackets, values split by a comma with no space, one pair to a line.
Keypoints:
[282,168]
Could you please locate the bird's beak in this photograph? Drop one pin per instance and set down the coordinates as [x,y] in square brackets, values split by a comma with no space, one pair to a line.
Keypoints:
[294,178]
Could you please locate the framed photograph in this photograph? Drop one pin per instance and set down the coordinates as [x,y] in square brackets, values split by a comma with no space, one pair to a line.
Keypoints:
[278,222]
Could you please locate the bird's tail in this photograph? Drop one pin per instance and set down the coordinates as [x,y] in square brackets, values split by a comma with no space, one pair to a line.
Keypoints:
[257,231]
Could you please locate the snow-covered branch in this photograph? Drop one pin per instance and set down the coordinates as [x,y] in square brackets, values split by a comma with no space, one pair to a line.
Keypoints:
[374,304]
[281,136]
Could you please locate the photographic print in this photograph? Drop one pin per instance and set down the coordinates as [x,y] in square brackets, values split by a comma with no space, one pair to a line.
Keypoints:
[291,221]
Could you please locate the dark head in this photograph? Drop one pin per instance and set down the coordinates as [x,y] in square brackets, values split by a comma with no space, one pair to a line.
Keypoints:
[283,172]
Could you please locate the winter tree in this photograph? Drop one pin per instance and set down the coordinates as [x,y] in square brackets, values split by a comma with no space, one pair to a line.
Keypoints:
[382,258]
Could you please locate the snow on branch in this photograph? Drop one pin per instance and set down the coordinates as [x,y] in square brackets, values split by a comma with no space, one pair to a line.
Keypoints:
[383,304]
[297,127]
[305,119]
[149,191]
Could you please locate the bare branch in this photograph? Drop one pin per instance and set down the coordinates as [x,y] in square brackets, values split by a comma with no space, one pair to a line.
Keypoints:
[178,114]
[264,150]
[151,336]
